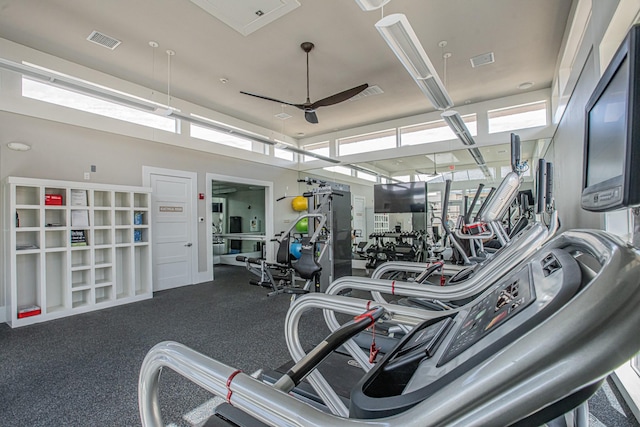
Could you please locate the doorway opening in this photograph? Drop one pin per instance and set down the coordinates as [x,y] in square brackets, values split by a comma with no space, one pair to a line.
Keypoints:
[240,219]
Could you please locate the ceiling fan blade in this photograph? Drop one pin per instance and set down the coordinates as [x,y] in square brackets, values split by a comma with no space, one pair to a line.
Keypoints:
[311,117]
[271,99]
[339,97]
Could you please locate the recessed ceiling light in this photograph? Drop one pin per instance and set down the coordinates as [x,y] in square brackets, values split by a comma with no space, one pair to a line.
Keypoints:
[224,80]
[18,146]
[525,85]
[300,134]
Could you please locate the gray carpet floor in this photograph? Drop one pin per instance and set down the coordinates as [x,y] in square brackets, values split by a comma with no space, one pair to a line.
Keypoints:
[83,370]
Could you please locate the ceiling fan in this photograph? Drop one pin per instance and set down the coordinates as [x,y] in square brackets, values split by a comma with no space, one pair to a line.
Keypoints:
[435,172]
[309,107]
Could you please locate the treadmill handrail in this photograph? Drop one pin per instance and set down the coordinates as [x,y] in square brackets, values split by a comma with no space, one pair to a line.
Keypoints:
[578,338]
[505,259]
[410,316]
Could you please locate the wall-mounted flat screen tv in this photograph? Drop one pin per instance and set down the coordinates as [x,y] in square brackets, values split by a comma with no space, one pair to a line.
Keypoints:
[611,172]
[402,197]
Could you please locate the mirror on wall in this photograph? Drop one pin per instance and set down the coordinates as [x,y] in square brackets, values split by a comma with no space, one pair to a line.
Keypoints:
[434,168]
[237,220]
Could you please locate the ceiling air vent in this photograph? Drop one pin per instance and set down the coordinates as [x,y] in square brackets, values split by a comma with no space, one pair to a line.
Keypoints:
[370,91]
[484,59]
[103,40]
[283,116]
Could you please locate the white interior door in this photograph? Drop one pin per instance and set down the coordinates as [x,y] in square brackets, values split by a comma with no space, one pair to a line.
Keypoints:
[359,220]
[173,245]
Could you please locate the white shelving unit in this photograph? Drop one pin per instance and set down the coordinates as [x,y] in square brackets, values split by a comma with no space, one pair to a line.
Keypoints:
[45,270]
[380,222]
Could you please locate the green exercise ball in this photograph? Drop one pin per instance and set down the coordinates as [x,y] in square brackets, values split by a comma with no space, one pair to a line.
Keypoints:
[303,225]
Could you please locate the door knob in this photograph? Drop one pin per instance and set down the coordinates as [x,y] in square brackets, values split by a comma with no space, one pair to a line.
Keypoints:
[189,245]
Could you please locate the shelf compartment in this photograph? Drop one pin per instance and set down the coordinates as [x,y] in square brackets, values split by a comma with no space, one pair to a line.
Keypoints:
[27,195]
[121,199]
[55,217]
[80,298]
[102,257]
[55,238]
[123,235]
[141,200]
[27,240]
[28,280]
[122,217]
[80,278]
[103,294]
[103,275]
[81,259]
[79,217]
[59,196]
[27,217]
[101,198]
[140,235]
[102,237]
[123,272]
[142,274]
[101,217]
[140,218]
[55,281]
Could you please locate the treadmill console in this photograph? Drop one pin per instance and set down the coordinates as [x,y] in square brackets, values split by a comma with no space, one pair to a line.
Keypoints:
[490,312]
[440,350]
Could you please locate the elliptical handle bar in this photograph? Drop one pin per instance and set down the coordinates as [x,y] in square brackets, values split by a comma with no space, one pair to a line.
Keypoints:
[467,216]
[484,205]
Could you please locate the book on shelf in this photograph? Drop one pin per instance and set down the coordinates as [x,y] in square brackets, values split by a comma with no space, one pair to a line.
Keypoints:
[80,218]
[78,197]
[78,238]
[28,311]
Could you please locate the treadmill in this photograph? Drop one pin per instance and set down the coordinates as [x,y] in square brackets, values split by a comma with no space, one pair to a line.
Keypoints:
[533,346]
[466,283]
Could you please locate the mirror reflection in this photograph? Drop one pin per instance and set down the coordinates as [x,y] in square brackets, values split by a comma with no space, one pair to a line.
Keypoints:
[431,170]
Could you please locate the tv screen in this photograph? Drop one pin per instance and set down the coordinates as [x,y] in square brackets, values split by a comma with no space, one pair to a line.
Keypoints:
[612,148]
[607,130]
[400,198]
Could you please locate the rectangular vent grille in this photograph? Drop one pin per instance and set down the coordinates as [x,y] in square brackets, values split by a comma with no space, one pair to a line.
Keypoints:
[550,264]
[484,59]
[103,40]
[283,116]
[370,91]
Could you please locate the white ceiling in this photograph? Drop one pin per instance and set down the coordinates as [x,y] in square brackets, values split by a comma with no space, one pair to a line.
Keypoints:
[495,155]
[525,36]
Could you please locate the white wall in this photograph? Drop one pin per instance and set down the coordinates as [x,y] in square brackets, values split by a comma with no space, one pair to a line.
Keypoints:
[64,152]
[567,148]
[566,153]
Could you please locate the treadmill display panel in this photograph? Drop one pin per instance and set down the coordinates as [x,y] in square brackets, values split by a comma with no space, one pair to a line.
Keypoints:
[489,313]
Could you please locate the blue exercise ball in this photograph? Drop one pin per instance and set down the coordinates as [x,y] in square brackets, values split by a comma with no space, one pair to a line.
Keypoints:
[296,249]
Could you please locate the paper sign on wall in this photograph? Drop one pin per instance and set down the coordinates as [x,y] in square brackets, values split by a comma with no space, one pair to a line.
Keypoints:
[171,209]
